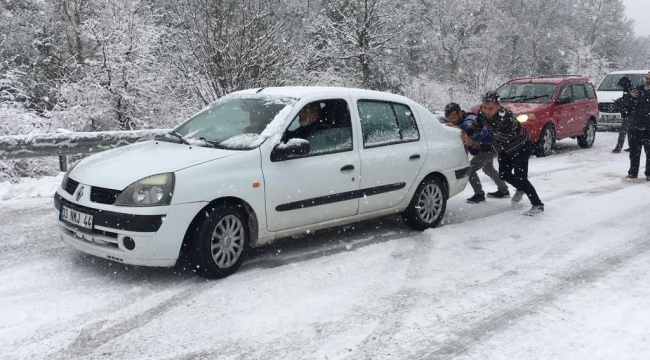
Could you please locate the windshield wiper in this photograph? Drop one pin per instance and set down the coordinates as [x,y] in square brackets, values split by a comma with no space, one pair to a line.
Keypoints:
[531,98]
[513,97]
[214,144]
[178,136]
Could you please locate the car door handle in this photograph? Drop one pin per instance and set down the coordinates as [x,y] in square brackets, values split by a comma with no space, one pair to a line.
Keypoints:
[347,168]
[414,157]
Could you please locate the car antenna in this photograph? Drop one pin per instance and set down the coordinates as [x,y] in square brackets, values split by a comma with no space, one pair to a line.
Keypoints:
[260,89]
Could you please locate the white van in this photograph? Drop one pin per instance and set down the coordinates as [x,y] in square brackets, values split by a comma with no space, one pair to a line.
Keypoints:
[608,91]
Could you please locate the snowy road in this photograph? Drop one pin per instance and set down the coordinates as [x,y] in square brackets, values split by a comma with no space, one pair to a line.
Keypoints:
[489,284]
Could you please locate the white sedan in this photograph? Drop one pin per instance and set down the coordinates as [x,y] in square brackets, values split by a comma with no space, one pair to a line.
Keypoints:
[258,165]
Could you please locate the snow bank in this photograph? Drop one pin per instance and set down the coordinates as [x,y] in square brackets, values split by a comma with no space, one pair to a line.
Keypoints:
[30,188]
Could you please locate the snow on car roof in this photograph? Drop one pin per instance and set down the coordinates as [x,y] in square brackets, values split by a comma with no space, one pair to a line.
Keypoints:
[304,91]
[630,72]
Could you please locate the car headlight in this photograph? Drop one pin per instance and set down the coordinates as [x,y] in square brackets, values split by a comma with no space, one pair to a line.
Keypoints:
[522,118]
[154,190]
[64,182]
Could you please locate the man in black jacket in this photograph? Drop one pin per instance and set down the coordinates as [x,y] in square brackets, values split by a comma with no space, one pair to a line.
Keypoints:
[637,104]
[510,142]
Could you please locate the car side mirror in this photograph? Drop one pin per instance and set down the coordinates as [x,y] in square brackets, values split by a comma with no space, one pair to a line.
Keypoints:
[563,100]
[294,148]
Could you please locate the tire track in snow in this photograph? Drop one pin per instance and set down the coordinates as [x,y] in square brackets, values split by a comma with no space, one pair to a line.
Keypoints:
[466,338]
[403,301]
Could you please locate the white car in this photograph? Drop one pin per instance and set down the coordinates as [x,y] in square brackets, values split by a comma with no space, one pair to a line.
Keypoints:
[608,91]
[249,169]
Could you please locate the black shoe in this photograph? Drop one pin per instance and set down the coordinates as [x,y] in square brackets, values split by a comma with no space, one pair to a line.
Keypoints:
[476,199]
[616,151]
[631,176]
[499,194]
[647,178]
[628,150]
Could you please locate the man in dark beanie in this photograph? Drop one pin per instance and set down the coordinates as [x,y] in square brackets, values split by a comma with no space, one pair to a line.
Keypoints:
[511,143]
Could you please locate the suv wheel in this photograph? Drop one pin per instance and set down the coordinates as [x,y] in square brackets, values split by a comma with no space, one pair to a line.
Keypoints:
[587,140]
[427,206]
[546,141]
[221,242]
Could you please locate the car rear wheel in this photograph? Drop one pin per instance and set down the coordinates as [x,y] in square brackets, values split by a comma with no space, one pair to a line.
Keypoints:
[427,207]
[587,140]
[546,141]
[221,242]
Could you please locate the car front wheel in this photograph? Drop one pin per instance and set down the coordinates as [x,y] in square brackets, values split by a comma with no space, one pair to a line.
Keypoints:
[546,141]
[427,206]
[221,242]
[587,140]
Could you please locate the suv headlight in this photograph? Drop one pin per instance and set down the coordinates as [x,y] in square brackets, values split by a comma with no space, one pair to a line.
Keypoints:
[522,118]
[154,190]
[64,182]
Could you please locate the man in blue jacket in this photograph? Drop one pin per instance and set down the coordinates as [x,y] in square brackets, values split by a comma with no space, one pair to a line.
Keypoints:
[481,159]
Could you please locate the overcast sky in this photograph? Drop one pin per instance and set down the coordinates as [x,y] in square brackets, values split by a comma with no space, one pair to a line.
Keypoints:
[639,10]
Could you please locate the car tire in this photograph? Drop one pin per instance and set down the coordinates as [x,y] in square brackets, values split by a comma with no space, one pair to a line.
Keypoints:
[428,205]
[221,243]
[587,140]
[546,142]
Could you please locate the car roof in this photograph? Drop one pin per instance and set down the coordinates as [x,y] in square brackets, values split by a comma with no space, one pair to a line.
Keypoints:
[299,92]
[549,79]
[630,72]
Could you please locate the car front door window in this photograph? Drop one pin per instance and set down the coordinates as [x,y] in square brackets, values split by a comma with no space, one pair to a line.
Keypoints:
[329,131]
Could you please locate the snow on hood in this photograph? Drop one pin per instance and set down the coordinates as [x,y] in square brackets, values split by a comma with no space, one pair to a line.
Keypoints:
[120,167]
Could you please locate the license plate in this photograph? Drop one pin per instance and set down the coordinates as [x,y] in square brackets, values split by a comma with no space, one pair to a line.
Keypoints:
[76,217]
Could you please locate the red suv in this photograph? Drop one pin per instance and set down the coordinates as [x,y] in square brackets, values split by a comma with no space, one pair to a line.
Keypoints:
[553,107]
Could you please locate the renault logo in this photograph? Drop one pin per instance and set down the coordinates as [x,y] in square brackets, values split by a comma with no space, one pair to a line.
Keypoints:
[80,193]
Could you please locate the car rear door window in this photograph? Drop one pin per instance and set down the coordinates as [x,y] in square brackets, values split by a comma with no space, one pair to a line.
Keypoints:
[591,93]
[579,93]
[406,122]
[385,123]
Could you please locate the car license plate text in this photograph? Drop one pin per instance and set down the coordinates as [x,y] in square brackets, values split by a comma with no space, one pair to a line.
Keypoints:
[76,217]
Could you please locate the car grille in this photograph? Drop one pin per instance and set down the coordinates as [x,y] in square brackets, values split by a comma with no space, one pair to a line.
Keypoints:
[71,186]
[104,196]
[609,107]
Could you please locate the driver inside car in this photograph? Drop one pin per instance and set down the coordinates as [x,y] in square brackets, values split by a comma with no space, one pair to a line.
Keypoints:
[309,121]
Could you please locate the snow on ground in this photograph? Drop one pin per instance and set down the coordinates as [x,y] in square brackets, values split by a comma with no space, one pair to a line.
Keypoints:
[30,188]
[488,284]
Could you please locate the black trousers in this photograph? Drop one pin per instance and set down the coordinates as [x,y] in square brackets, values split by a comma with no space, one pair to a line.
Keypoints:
[639,139]
[513,168]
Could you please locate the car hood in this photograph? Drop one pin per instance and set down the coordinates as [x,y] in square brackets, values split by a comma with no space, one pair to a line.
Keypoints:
[608,96]
[525,108]
[120,167]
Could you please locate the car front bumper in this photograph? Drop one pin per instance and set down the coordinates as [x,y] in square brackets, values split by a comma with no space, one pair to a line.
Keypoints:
[158,236]
[609,120]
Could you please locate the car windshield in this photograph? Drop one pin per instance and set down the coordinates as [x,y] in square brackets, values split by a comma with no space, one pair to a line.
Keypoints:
[610,83]
[527,93]
[235,123]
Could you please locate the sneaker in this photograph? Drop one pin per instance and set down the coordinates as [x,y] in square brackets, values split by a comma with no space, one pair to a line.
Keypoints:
[616,151]
[476,199]
[499,194]
[517,196]
[535,210]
